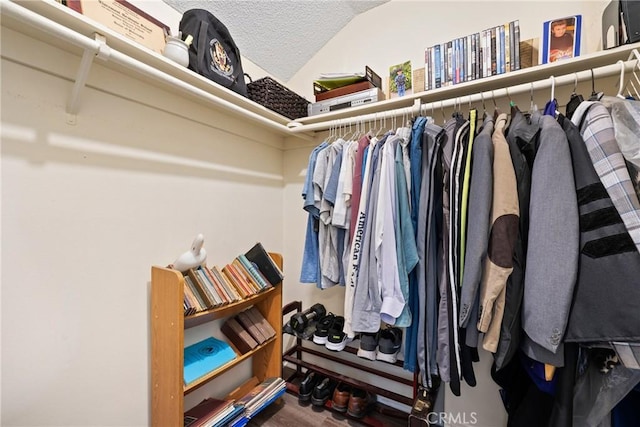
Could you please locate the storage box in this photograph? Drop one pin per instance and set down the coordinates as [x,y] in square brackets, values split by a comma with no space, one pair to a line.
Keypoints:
[278,98]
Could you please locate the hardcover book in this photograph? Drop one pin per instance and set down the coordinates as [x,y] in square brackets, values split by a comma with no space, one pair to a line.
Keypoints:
[239,336]
[251,269]
[207,299]
[267,266]
[253,285]
[246,322]
[258,319]
[207,412]
[205,357]
[237,281]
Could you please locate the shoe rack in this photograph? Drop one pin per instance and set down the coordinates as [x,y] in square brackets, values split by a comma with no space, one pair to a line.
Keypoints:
[295,355]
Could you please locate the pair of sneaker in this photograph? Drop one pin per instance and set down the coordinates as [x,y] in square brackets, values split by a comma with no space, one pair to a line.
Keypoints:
[330,332]
[383,345]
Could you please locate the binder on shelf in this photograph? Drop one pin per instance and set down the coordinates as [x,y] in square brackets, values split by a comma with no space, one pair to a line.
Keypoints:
[267,266]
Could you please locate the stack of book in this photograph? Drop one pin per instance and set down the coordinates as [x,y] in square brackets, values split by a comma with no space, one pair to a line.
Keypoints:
[493,51]
[259,398]
[248,329]
[212,413]
[248,274]
[334,91]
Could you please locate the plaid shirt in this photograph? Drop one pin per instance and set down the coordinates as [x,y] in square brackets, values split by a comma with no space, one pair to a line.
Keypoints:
[598,134]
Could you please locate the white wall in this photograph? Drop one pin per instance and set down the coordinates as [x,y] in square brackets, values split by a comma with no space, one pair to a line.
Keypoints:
[401,29]
[88,209]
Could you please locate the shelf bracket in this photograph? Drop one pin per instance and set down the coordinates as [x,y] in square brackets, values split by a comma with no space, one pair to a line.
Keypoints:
[102,52]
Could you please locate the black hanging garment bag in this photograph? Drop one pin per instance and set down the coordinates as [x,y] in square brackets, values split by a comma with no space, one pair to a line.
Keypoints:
[213,53]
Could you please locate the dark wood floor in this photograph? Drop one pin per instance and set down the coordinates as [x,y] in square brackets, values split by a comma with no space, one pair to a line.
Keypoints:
[287,412]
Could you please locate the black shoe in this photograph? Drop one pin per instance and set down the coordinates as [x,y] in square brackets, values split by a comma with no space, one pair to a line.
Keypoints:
[322,329]
[310,381]
[323,392]
[389,344]
[337,339]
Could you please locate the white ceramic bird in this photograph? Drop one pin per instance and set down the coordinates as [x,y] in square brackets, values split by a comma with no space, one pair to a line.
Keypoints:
[194,257]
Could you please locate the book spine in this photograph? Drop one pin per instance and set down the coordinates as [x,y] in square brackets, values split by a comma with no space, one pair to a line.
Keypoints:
[472,53]
[507,49]
[230,297]
[438,66]
[487,51]
[516,43]
[449,68]
[494,63]
[199,290]
[226,284]
[427,66]
[252,270]
[512,49]
[253,286]
[219,278]
[502,52]
[234,281]
[433,67]
[240,280]
[200,304]
[214,293]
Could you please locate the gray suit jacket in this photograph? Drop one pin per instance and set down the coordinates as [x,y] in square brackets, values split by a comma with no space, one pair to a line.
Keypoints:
[552,256]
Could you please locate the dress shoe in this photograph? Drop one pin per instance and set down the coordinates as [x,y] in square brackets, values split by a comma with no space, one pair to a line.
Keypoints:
[322,392]
[360,402]
[307,385]
[341,397]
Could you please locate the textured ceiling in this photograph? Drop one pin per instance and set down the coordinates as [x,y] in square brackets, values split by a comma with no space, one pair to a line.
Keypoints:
[280,35]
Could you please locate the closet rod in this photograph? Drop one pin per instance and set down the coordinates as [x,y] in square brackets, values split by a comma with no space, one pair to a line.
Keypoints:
[39,22]
[565,79]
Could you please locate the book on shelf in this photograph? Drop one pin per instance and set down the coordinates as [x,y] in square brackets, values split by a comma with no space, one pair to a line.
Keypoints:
[239,336]
[216,285]
[201,305]
[237,281]
[266,401]
[211,288]
[254,272]
[262,323]
[208,412]
[248,277]
[224,422]
[208,300]
[247,323]
[191,302]
[258,392]
[205,357]
[265,264]
[224,284]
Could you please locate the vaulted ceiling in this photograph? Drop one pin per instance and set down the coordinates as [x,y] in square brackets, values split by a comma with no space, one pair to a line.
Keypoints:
[280,35]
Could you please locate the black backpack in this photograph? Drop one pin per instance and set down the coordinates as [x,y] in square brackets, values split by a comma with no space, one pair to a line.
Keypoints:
[213,53]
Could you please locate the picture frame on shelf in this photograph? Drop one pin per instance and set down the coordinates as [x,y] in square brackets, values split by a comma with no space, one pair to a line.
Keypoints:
[561,38]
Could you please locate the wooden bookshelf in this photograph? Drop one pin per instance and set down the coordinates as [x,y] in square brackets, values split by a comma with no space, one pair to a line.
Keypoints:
[168,324]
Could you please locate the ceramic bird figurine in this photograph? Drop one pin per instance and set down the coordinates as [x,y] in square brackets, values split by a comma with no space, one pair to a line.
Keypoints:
[194,257]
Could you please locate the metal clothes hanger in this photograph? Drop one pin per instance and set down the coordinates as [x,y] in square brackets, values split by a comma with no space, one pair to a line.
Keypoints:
[595,96]
[575,98]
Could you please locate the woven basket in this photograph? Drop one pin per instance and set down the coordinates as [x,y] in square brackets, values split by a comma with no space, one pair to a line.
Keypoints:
[278,98]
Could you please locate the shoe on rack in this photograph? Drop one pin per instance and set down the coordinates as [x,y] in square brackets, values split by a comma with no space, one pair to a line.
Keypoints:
[310,381]
[322,329]
[337,339]
[389,344]
[360,402]
[323,392]
[368,345]
[341,396]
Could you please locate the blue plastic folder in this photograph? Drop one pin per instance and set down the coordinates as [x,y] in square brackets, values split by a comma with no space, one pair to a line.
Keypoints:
[204,357]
